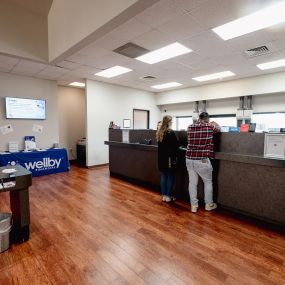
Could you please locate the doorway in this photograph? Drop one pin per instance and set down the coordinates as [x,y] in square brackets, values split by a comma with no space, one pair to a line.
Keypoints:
[141,119]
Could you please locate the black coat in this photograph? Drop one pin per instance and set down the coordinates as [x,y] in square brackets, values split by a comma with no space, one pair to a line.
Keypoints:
[167,152]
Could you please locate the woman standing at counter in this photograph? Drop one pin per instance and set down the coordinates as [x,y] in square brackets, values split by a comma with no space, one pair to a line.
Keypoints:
[167,157]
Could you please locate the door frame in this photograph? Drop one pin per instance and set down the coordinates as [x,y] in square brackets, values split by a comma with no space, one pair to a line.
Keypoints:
[134,117]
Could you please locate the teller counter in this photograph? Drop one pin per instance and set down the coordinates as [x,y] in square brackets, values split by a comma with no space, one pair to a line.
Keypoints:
[244,180]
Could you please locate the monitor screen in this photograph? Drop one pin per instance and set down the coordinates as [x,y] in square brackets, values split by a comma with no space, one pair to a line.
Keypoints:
[21,108]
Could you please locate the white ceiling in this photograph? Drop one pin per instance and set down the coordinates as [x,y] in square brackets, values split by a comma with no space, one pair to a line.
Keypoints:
[186,21]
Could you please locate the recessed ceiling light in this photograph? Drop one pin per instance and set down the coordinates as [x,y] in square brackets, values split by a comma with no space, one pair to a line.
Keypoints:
[77,84]
[113,71]
[271,64]
[261,19]
[166,85]
[213,76]
[164,53]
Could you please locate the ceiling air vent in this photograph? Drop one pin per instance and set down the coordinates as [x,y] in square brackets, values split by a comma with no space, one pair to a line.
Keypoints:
[257,51]
[131,50]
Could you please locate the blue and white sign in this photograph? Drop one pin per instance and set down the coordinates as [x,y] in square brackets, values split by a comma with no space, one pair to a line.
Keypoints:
[38,162]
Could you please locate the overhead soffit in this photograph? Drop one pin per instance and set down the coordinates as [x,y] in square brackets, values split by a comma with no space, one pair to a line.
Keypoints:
[40,7]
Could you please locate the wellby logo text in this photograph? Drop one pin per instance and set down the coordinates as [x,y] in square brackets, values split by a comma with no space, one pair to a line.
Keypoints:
[45,163]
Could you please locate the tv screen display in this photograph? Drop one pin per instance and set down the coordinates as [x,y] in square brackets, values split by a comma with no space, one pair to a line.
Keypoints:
[21,108]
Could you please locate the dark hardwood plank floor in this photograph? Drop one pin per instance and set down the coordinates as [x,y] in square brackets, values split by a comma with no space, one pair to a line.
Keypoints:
[88,228]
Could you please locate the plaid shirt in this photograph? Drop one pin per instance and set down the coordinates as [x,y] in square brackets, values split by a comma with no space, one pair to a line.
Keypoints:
[200,140]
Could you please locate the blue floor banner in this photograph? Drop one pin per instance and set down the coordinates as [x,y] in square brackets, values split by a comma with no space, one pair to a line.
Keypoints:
[38,162]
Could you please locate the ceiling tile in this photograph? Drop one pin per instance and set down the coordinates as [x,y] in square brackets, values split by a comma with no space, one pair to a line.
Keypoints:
[9,60]
[236,58]
[68,77]
[109,43]
[28,67]
[129,30]
[51,72]
[209,70]
[90,60]
[187,6]
[84,71]
[181,27]
[152,40]
[77,58]
[280,43]
[95,50]
[193,60]
[207,44]
[109,60]
[159,13]
[211,14]
[26,71]
[5,67]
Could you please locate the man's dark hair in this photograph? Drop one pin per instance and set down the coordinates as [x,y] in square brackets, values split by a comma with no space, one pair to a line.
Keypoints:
[203,116]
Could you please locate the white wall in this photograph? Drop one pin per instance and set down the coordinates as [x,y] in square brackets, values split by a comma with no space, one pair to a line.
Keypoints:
[264,84]
[81,18]
[269,103]
[107,102]
[23,33]
[27,87]
[72,115]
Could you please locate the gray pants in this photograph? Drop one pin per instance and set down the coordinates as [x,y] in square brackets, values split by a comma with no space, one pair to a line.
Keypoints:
[204,169]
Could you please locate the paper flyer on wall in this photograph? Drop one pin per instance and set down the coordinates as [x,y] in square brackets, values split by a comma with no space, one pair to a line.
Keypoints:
[37,128]
[6,129]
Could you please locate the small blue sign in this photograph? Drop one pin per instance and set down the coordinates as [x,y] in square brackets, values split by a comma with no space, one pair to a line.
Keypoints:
[234,129]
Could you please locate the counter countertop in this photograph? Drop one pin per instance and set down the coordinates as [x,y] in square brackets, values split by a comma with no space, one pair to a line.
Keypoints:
[242,158]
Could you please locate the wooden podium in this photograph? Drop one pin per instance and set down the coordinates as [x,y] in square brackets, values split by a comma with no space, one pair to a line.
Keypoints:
[19,201]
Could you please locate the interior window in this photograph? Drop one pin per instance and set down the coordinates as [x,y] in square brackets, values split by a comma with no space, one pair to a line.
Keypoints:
[225,121]
[268,121]
[182,123]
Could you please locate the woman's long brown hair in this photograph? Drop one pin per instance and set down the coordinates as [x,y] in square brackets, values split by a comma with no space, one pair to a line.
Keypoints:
[164,128]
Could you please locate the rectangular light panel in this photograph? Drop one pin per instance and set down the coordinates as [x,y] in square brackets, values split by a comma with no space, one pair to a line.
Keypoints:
[271,64]
[164,53]
[166,85]
[261,19]
[77,84]
[213,76]
[113,71]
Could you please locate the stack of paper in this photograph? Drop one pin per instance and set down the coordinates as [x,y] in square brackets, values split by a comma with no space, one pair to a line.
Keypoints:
[13,147]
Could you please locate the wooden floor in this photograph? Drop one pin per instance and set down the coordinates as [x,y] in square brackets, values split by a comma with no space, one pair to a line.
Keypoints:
[88,228]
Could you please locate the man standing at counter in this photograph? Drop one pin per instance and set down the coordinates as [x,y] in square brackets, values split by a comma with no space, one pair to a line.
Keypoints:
[200,149]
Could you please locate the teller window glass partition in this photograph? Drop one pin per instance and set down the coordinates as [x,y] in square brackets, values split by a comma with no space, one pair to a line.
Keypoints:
[266,121]
[225,120]
[182,123]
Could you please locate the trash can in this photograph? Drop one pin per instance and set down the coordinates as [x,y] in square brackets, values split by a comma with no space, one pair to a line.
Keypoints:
[5,228]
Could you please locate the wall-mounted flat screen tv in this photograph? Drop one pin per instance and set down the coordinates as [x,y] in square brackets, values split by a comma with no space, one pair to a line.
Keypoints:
[22,108]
